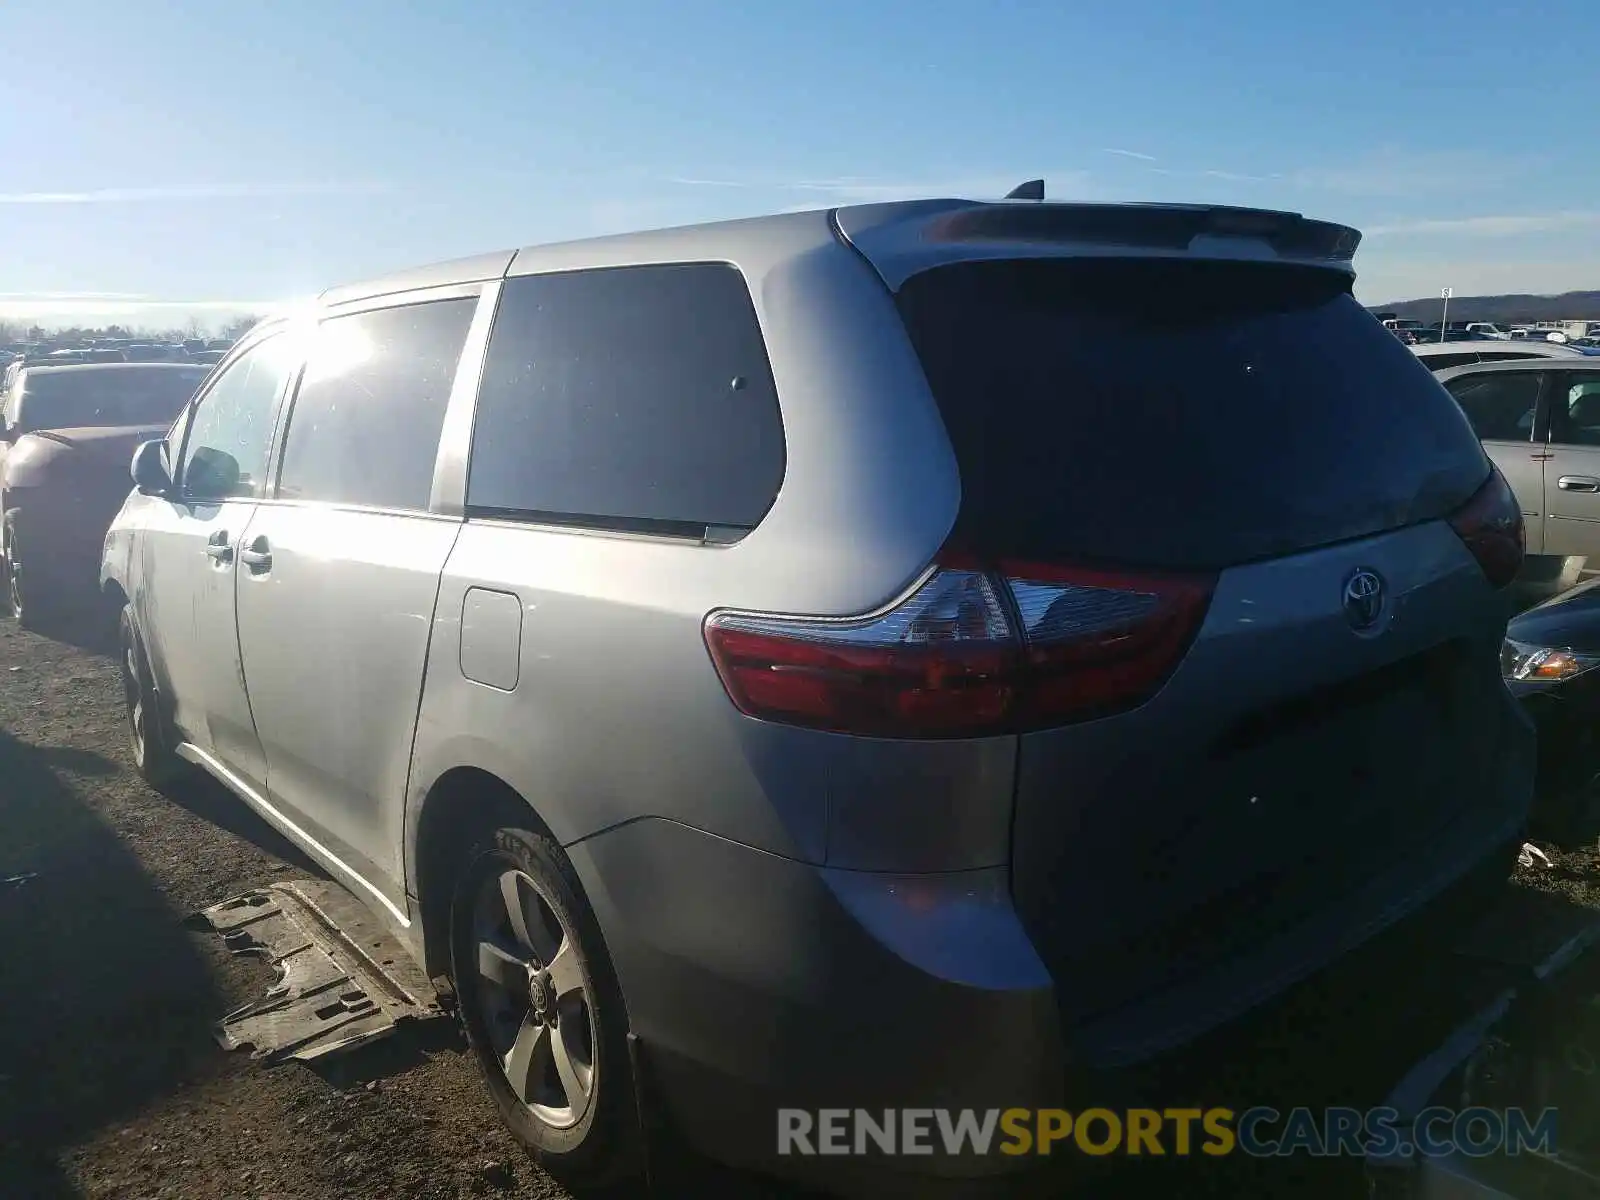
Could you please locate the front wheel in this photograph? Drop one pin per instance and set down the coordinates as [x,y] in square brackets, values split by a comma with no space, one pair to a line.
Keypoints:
[542,1009]
[19,598]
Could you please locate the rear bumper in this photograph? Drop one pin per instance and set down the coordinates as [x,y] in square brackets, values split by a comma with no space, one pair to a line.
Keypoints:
[1544,576]
[1178,1016]
[756,983]
[1567,717]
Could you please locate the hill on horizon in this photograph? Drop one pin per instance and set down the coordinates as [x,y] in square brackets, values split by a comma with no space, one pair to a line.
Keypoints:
[1568,306]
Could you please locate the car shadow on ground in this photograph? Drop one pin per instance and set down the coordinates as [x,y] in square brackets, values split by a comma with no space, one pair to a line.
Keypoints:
[204,797]
[84,625]
[106,1003]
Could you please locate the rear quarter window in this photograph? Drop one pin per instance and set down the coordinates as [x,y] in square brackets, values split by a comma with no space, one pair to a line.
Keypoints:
[631,397]
[1186,414]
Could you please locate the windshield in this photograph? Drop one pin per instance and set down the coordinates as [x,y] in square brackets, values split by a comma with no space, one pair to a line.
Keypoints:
[101,397]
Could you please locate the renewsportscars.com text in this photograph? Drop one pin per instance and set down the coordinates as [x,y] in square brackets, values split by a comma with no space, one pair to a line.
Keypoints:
[1258,1132]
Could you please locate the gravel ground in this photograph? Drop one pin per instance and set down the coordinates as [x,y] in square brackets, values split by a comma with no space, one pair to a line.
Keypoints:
[112,1085]
[110,1082]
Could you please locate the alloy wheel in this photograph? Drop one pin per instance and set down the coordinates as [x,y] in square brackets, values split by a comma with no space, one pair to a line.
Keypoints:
[534,999]
[13,573]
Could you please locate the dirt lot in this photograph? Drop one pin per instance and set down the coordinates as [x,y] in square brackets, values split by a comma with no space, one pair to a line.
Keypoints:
[110,1083]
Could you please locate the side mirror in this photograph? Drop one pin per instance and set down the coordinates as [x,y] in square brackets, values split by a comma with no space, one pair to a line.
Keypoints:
[150,473]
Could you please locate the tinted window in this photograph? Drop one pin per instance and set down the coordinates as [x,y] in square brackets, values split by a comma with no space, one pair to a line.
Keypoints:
[633,396]
[103,397]
[1579,418]
[231,427]
[365,424]
[1438,362]
[1500,405]
[1180,414]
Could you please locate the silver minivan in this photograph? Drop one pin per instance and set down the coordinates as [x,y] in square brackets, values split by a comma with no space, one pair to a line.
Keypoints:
[1537,418]
[891,656]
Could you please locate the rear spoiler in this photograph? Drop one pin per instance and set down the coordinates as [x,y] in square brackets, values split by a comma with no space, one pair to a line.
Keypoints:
[902,239]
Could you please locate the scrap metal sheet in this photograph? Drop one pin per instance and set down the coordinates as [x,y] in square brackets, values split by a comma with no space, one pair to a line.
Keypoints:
[344,980]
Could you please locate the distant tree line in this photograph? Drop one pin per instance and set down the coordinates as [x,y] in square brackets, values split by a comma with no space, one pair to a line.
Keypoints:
[34,331]
[1569,306]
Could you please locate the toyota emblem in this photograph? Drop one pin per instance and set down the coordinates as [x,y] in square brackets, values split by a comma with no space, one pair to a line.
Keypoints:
[1363,598]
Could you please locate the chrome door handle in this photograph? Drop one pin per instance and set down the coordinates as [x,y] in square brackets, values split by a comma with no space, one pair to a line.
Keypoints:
[218,547]
[257,555]
[1578,483]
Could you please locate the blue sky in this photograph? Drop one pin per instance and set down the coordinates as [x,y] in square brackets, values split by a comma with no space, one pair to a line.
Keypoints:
[166,158]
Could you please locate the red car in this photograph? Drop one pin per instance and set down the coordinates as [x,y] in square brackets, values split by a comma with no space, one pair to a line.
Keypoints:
[68,436]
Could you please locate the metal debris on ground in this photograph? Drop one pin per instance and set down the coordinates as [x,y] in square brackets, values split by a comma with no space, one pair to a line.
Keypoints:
[1532,855]
[344,980]
[1532,1049]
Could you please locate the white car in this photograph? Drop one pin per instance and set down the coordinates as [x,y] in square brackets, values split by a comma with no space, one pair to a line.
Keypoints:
[1436,356]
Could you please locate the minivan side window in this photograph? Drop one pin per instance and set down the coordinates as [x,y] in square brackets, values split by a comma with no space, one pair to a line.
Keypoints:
[230,429]
[1579,418]
[364,426]
[1500,404]
[635,398]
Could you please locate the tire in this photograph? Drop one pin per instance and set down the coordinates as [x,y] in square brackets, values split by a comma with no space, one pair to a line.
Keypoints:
[22,602]
[148,740]
[521,1017]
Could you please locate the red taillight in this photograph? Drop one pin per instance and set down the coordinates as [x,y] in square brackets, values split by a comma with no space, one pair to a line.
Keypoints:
[1100,642]
[1491,525]
[972,651]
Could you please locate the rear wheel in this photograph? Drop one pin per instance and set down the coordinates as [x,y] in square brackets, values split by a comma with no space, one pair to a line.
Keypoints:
[147,739]
[542,1009]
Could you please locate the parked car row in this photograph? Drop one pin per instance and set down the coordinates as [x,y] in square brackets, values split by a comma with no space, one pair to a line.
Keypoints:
[1418,332]
[115,350]
[682,637]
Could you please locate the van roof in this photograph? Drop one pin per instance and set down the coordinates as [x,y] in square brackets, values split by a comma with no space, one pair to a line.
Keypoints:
[901,238]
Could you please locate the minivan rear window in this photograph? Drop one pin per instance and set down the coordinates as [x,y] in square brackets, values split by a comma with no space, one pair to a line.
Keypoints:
[103,396]
[1188,415]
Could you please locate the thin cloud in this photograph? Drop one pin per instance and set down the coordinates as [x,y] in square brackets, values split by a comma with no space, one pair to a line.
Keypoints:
[1223,176]
[1384,278]
[1129,154]
[1059,185]
[1394,173]
[687,181]
[1501,226]
[856,189]
[47,304]
[1238,177]
[204,191]
[53,296]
